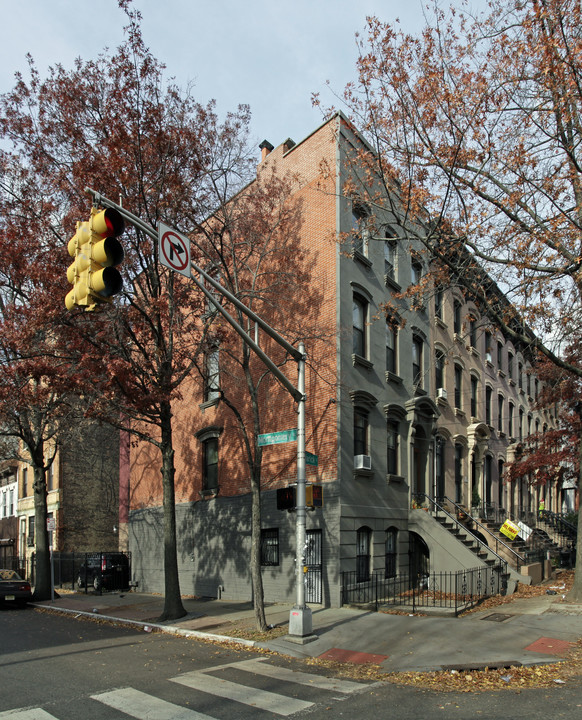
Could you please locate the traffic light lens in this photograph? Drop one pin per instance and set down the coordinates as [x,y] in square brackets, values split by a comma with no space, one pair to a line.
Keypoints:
[107,282]
[108,223]
[108,252]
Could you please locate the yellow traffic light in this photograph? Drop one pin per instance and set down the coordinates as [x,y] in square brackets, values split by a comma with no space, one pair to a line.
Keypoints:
[96,251]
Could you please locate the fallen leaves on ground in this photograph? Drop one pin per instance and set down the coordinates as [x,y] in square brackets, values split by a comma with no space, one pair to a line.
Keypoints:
[247,631]
[512,678]
[565,579]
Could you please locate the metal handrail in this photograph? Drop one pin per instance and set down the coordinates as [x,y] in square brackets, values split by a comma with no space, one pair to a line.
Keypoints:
[460,525]
[559,522]
[518,558]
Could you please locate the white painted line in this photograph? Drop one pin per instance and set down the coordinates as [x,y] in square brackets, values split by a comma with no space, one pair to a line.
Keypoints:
[27,714]
[260,667]
[146,707]
[271,702]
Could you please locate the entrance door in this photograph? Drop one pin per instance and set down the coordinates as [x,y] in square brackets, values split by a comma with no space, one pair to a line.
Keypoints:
[313,564]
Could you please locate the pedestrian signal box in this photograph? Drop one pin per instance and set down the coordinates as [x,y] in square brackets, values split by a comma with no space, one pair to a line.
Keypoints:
[287,497]
[314,496]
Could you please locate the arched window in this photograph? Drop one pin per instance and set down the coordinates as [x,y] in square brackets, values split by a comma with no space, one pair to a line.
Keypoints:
[208,438]
[458,473]
[457,317]
[439,368]
[417,347]
[363,557]
[391,347]
[360,318]
[458,387]
[391,553]
[440,467]
[392,448]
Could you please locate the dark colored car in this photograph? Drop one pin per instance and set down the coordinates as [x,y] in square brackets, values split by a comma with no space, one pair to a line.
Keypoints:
[105,571]
[13,588]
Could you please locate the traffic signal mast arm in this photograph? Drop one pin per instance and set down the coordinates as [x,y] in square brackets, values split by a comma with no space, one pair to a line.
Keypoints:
[294,352]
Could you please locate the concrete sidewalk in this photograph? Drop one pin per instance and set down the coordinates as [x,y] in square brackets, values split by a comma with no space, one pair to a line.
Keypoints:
[525,631]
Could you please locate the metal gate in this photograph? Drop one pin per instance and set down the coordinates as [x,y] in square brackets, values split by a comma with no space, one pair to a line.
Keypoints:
[313,565]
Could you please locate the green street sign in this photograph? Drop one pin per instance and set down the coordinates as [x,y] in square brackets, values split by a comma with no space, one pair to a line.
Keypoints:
[310,459]
[274,438]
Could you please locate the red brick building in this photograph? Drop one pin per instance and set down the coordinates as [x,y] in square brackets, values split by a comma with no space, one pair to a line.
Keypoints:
[371,411]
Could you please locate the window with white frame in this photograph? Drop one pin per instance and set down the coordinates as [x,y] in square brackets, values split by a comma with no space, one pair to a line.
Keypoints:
[392,447]
[359,323]
[417,352]
[360,232]
[360,432]
[391,546]
[212,375]
[391,347]
[363,556]
[458,387]
[390,250]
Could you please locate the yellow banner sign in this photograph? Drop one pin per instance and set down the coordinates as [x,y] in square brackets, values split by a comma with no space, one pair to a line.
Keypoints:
[509,529]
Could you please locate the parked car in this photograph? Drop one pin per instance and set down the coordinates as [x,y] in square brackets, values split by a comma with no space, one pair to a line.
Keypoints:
[13,588]
[105,571]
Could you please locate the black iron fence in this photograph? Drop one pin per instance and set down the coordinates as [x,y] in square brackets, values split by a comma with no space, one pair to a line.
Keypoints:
[92,571]
[456,590]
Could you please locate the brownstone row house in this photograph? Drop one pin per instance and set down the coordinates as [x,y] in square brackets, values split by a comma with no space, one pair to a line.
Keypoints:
[434,405]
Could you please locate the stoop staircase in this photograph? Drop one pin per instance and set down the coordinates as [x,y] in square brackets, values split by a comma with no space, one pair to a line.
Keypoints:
[491,550]
[551,534]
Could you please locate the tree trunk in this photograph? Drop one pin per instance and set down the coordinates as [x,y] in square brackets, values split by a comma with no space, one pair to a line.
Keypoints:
[256,575]
[575,594]
[173,607]
[42,575]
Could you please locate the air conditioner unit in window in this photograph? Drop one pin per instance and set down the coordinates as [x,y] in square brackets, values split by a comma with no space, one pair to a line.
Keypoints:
[362,462]
[442,393]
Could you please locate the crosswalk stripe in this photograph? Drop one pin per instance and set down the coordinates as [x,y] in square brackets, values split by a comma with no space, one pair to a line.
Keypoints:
[27,714]
[259,667]
[271,702]
[146,707]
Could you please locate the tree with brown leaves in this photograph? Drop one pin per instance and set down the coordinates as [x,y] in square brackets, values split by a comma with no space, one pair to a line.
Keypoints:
[115,125]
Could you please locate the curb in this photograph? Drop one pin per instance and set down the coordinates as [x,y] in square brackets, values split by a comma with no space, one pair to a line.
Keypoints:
[169,629]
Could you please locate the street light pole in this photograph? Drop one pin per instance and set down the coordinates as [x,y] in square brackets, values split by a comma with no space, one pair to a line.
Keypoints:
[300,621]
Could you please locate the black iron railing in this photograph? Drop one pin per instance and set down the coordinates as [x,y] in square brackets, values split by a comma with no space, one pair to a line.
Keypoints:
[94,571]
[454,590]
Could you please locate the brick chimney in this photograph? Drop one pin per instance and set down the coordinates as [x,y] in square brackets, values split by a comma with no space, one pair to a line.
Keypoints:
[266,148]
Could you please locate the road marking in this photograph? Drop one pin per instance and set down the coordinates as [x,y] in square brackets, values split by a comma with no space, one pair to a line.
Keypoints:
[260,667]
[271,702]
[28,714]
[146,707]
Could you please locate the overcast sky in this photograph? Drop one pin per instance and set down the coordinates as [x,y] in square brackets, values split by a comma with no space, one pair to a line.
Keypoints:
[270,54]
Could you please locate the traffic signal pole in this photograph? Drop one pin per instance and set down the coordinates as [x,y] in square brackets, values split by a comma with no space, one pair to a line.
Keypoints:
[300,618]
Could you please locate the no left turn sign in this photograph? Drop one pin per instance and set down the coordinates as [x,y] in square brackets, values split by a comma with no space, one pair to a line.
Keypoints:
[174,250]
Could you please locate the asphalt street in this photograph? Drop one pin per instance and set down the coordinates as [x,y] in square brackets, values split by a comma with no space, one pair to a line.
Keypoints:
[64,667]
